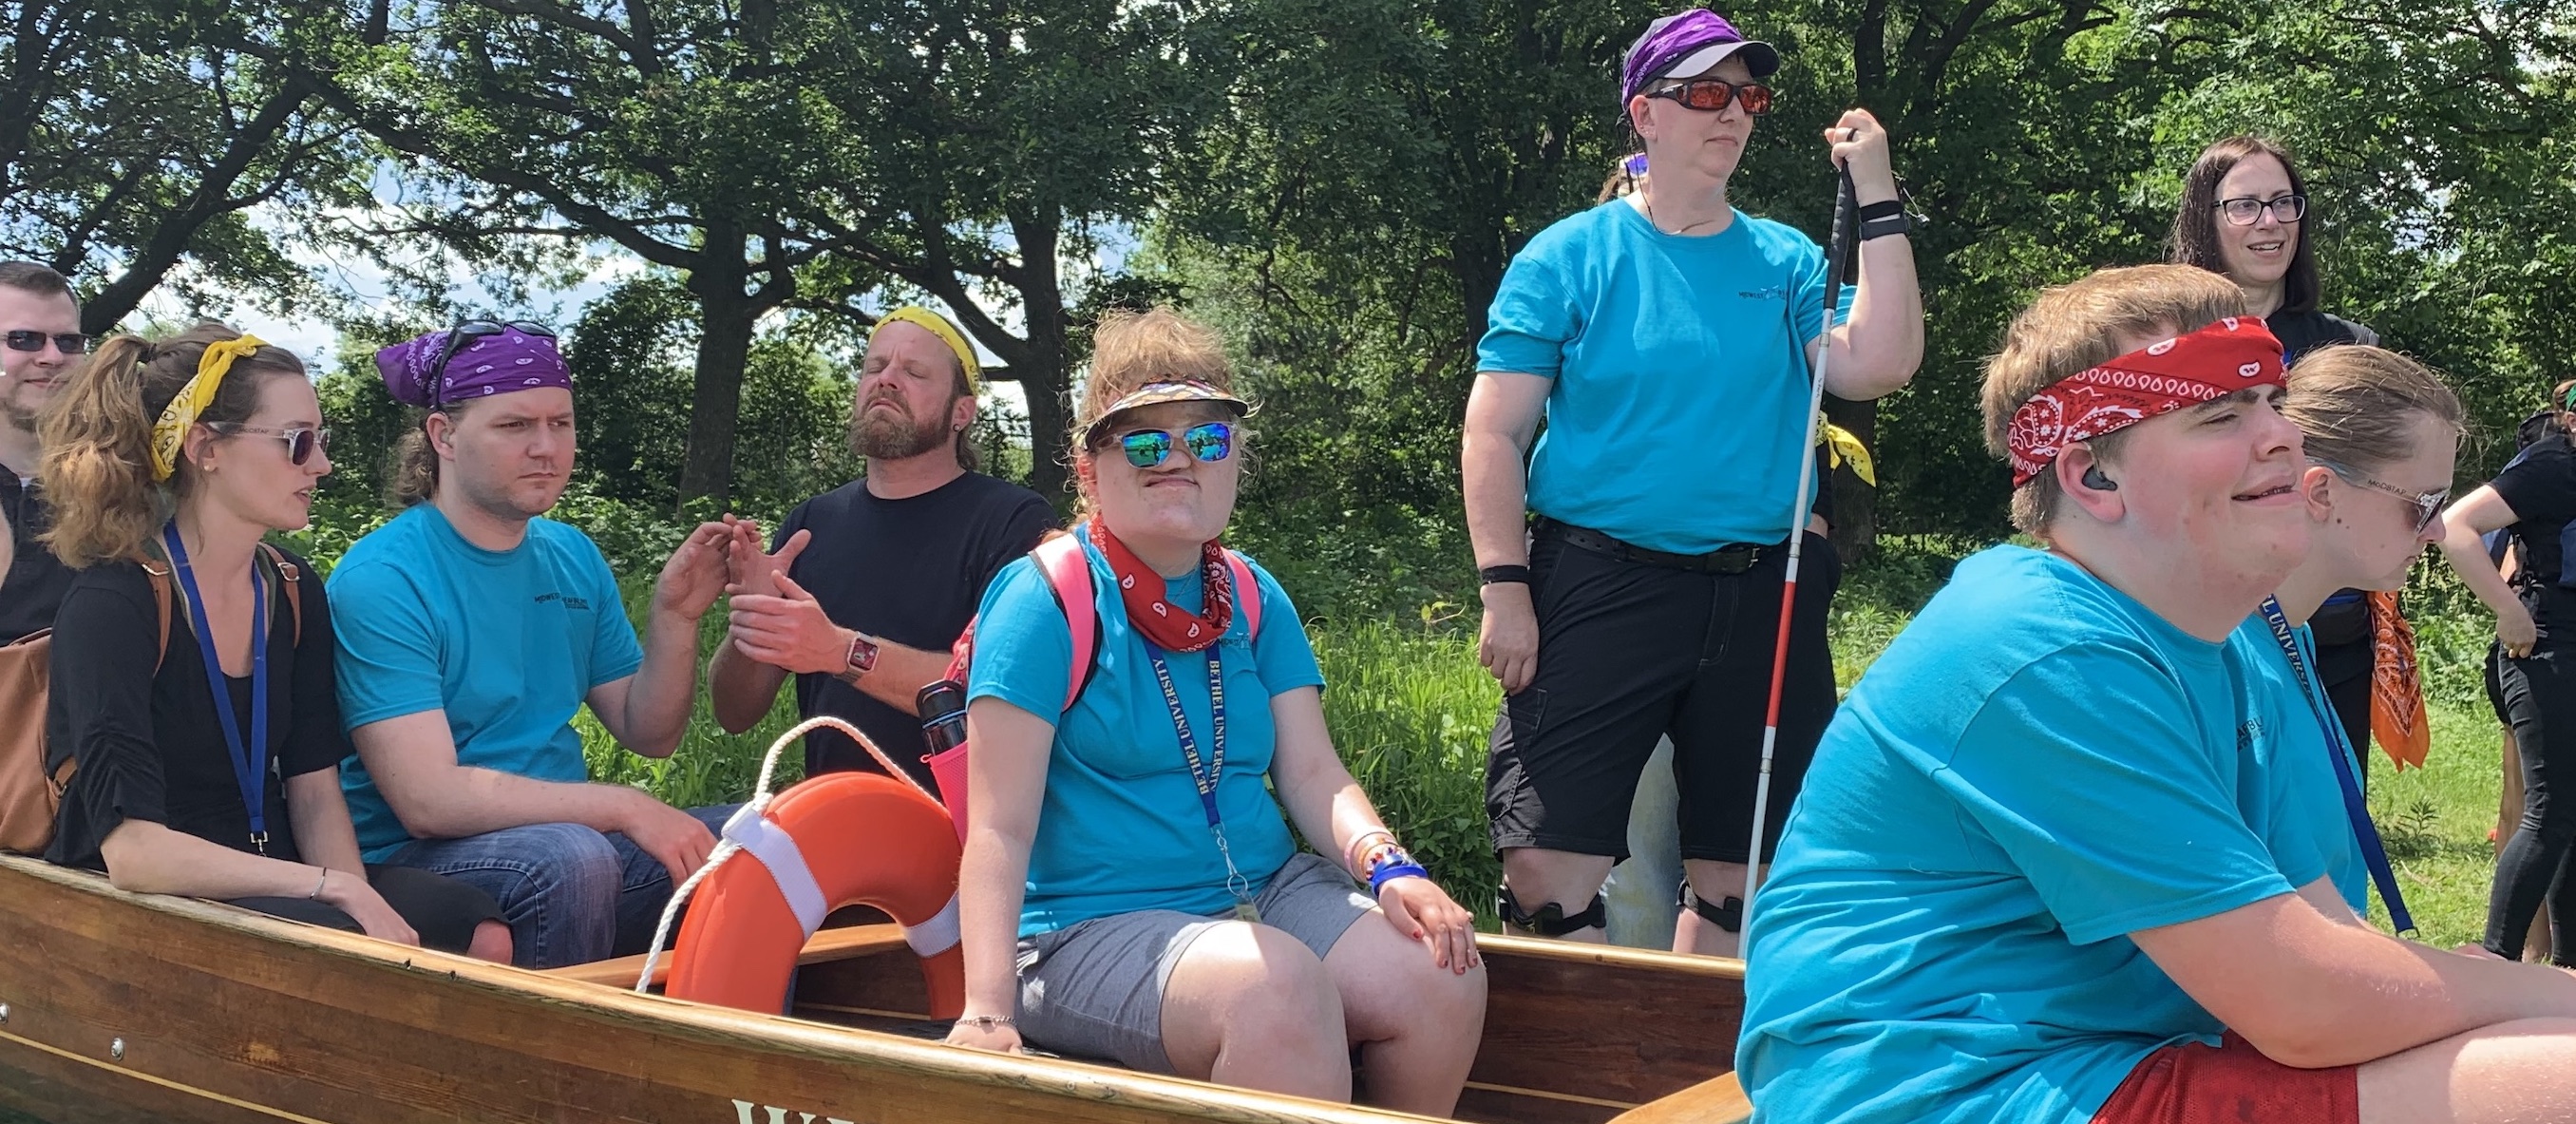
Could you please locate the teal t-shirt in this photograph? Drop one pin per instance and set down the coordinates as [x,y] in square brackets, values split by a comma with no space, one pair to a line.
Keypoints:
[1121,828]
[508,643]
[2307,770]
[1679,368]
[2037,767]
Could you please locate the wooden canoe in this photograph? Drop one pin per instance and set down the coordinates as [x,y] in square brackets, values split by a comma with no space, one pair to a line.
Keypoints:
[117,1007]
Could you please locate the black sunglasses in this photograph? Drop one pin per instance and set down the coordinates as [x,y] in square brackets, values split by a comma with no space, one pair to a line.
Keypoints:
[301,441]
[465,333]
[69,343]
[1708,95]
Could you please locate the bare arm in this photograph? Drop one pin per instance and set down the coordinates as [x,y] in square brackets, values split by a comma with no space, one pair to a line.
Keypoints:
[1502,416]
[413,761]
[741,688]
[2310,992]
[648,711]
[144,857]
[2469,517]
[1330,809]
[1876,352]
[1006,783]
[323,833]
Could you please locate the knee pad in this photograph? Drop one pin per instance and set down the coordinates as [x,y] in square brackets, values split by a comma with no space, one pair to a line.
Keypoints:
[1728,916]
[1550,920]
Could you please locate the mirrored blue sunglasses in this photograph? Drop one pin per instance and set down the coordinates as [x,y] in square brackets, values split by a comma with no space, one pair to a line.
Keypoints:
[1207,441]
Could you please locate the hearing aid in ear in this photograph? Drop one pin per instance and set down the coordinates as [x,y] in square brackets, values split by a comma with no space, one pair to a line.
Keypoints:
[2094,479]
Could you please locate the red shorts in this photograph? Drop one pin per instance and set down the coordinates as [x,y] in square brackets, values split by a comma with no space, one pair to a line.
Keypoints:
[2230,1082]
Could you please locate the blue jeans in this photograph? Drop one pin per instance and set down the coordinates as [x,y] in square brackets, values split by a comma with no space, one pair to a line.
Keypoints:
[571,894]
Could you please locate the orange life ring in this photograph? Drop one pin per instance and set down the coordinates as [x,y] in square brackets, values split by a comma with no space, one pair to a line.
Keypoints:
[848,839]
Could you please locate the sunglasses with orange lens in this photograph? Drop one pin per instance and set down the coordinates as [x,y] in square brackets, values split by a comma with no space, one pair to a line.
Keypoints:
[1708,95]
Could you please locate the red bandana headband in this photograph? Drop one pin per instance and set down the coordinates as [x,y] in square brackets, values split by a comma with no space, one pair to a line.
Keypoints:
[2187,370]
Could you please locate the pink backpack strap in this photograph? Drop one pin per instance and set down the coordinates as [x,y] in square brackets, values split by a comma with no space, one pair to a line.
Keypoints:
[1247,594]
[1067,569]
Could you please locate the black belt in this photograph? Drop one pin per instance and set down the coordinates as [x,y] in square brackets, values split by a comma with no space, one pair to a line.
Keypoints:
[1733,558]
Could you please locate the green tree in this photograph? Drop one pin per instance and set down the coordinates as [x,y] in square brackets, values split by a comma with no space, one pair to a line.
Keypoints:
[133,137]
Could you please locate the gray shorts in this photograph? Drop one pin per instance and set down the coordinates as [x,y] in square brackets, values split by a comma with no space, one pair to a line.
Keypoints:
[1094,989]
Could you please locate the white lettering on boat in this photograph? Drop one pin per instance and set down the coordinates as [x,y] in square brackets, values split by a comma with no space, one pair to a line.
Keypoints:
[746,1112]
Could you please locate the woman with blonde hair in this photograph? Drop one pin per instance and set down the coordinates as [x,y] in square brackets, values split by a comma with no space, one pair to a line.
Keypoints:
[1131,889]
[203,716]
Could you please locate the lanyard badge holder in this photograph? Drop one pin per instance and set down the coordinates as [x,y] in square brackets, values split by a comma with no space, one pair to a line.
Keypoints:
[2372,852]
[250,762]
[1205,773]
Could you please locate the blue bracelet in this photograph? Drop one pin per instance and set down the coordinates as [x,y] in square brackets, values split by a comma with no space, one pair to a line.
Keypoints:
[1392,865]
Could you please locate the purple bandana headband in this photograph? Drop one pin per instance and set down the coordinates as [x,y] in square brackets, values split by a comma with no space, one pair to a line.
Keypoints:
[1698,37]
[511,360]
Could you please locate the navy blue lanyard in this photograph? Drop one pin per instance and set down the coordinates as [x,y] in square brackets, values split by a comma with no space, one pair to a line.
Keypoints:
[2372,853]
[250,763]
[1205,773]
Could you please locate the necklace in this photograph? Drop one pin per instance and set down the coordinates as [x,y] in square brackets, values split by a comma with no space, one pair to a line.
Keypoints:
[1649,197]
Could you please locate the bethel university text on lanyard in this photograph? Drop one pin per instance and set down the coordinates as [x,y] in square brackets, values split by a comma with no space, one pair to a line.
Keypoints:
[250,762]
[2372,853]
[1205,773]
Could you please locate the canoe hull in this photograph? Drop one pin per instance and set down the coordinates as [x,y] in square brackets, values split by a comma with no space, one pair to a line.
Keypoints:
[126,1008]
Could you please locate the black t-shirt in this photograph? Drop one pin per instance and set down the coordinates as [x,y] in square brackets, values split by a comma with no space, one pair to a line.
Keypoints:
[2542,492]
[150,745]
[910,571]
[2303,332]
[37,580]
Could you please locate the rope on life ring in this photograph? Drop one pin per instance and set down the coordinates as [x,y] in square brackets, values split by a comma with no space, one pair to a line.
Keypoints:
[753,831]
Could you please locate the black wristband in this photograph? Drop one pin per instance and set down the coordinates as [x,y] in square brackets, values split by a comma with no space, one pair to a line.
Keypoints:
[1883,226]
[1495,575]
[1880,209]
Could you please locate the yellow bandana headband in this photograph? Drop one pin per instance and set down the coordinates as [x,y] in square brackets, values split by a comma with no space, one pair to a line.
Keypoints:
[171,431]
[939,326]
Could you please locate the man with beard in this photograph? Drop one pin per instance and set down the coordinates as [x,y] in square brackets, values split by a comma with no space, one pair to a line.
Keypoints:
[867,585]
[42,322]
[470,630]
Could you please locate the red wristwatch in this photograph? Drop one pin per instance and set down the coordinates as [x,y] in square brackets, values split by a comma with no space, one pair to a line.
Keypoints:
[861,660]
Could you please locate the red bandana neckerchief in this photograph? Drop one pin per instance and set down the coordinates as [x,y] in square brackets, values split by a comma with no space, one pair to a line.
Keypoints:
[1165,625]
[2187,370]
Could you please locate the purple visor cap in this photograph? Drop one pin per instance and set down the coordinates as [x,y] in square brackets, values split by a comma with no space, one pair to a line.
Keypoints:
[1698,37]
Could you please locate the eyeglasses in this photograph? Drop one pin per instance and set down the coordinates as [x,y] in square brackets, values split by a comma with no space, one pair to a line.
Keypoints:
[465,333]
[2427,505]
[2246,210]
[1207,442]
[301,441]
[69,343]
[1708,95]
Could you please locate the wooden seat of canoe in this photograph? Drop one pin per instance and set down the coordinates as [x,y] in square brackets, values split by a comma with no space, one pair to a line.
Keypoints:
[1718,1100]
[826,946]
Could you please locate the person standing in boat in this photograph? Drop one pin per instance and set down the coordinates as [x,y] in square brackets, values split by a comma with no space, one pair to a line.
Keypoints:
[2050,867]
[2245,215]
[2531,669]
[41,320]
[1668,340]
[207,742]
[1131,889]
[472,629]
[882,573]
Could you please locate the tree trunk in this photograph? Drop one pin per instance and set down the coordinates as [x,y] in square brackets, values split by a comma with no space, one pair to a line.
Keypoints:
[1854,512]
[725,319]
[1038,232]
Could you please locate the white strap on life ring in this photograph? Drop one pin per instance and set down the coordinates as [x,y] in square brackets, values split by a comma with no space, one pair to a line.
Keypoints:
[937,935]
[785,861]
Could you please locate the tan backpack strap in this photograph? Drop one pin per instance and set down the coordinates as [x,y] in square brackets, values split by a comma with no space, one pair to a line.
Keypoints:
[158,573]
[290,578]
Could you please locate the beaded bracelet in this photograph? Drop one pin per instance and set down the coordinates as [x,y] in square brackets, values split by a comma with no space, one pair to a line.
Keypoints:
[986,1022]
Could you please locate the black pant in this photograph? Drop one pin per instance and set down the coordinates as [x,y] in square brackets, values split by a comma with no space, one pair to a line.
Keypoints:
[2536,695]
[442,910]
